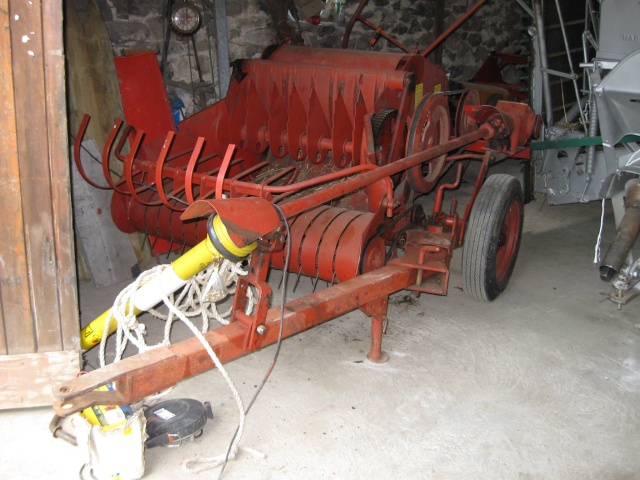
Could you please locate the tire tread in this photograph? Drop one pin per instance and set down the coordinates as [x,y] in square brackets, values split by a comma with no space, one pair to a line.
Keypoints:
[494,196]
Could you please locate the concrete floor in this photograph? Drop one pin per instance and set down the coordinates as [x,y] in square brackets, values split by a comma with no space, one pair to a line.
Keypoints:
[542,383]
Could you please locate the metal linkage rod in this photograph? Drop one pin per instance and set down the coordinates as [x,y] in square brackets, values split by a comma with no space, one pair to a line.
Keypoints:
[360,181]
[444,35]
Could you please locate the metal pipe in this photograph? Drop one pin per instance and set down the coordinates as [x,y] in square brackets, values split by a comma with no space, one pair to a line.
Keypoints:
[583,120]
[543,67]
[255,189]
[443,36]
[573,112]
[626,234]
[379,31]
[222,44]
[525,7]
[58,432]
[166,31]
[437,204]
[352,22]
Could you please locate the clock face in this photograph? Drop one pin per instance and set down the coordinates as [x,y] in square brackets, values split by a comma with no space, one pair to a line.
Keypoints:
[185,19]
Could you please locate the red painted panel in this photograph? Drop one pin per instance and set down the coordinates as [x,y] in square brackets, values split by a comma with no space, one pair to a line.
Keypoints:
[144,97]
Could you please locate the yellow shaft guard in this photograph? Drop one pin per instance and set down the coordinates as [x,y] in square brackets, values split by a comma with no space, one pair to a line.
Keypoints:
[195,260]
[185,267]
[225,239]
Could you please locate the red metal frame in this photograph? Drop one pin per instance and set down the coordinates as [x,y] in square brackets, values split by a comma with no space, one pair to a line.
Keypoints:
[302,120]
[139,376]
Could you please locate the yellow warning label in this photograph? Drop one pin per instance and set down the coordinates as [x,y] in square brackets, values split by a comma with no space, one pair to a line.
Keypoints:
[437,88]
[419,94]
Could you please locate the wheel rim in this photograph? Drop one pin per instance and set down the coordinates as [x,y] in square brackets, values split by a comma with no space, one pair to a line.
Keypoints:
[508,241]
[430,127]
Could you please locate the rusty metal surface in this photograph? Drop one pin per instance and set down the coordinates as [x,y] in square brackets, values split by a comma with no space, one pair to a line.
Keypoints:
[303,136]
[141,375]
[626,234]
[490,73]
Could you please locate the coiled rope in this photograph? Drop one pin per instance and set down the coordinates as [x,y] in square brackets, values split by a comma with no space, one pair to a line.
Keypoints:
[197,298]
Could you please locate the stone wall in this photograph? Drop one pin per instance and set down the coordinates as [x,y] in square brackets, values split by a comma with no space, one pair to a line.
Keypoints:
[137,25]
[497,26]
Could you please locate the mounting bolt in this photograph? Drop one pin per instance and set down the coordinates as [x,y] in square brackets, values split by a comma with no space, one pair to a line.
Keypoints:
[261,329]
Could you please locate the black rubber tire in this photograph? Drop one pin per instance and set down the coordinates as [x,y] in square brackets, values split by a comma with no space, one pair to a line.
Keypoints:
[492,237]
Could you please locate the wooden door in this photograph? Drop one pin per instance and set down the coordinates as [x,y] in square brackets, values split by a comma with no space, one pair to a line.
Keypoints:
[39,344]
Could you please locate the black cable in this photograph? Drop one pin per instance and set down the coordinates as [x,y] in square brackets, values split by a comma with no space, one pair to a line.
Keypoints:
[395,242]
[93,157]
[155,189]
[278,343]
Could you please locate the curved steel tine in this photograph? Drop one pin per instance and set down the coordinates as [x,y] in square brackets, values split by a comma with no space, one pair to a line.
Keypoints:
[188,179]
[223,170]
[106,154]
[162,157]
[77,145]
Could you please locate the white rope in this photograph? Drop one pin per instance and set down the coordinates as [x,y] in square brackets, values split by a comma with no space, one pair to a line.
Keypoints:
[198,465]
[596,257]
[126,318]
[219,460]
[197,298]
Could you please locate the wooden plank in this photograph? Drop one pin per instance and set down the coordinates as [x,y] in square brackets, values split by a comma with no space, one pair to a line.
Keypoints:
[35,176]
[26,380]
[93,83]
[17,327]
[56,109]
[6,99]
[3,338]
